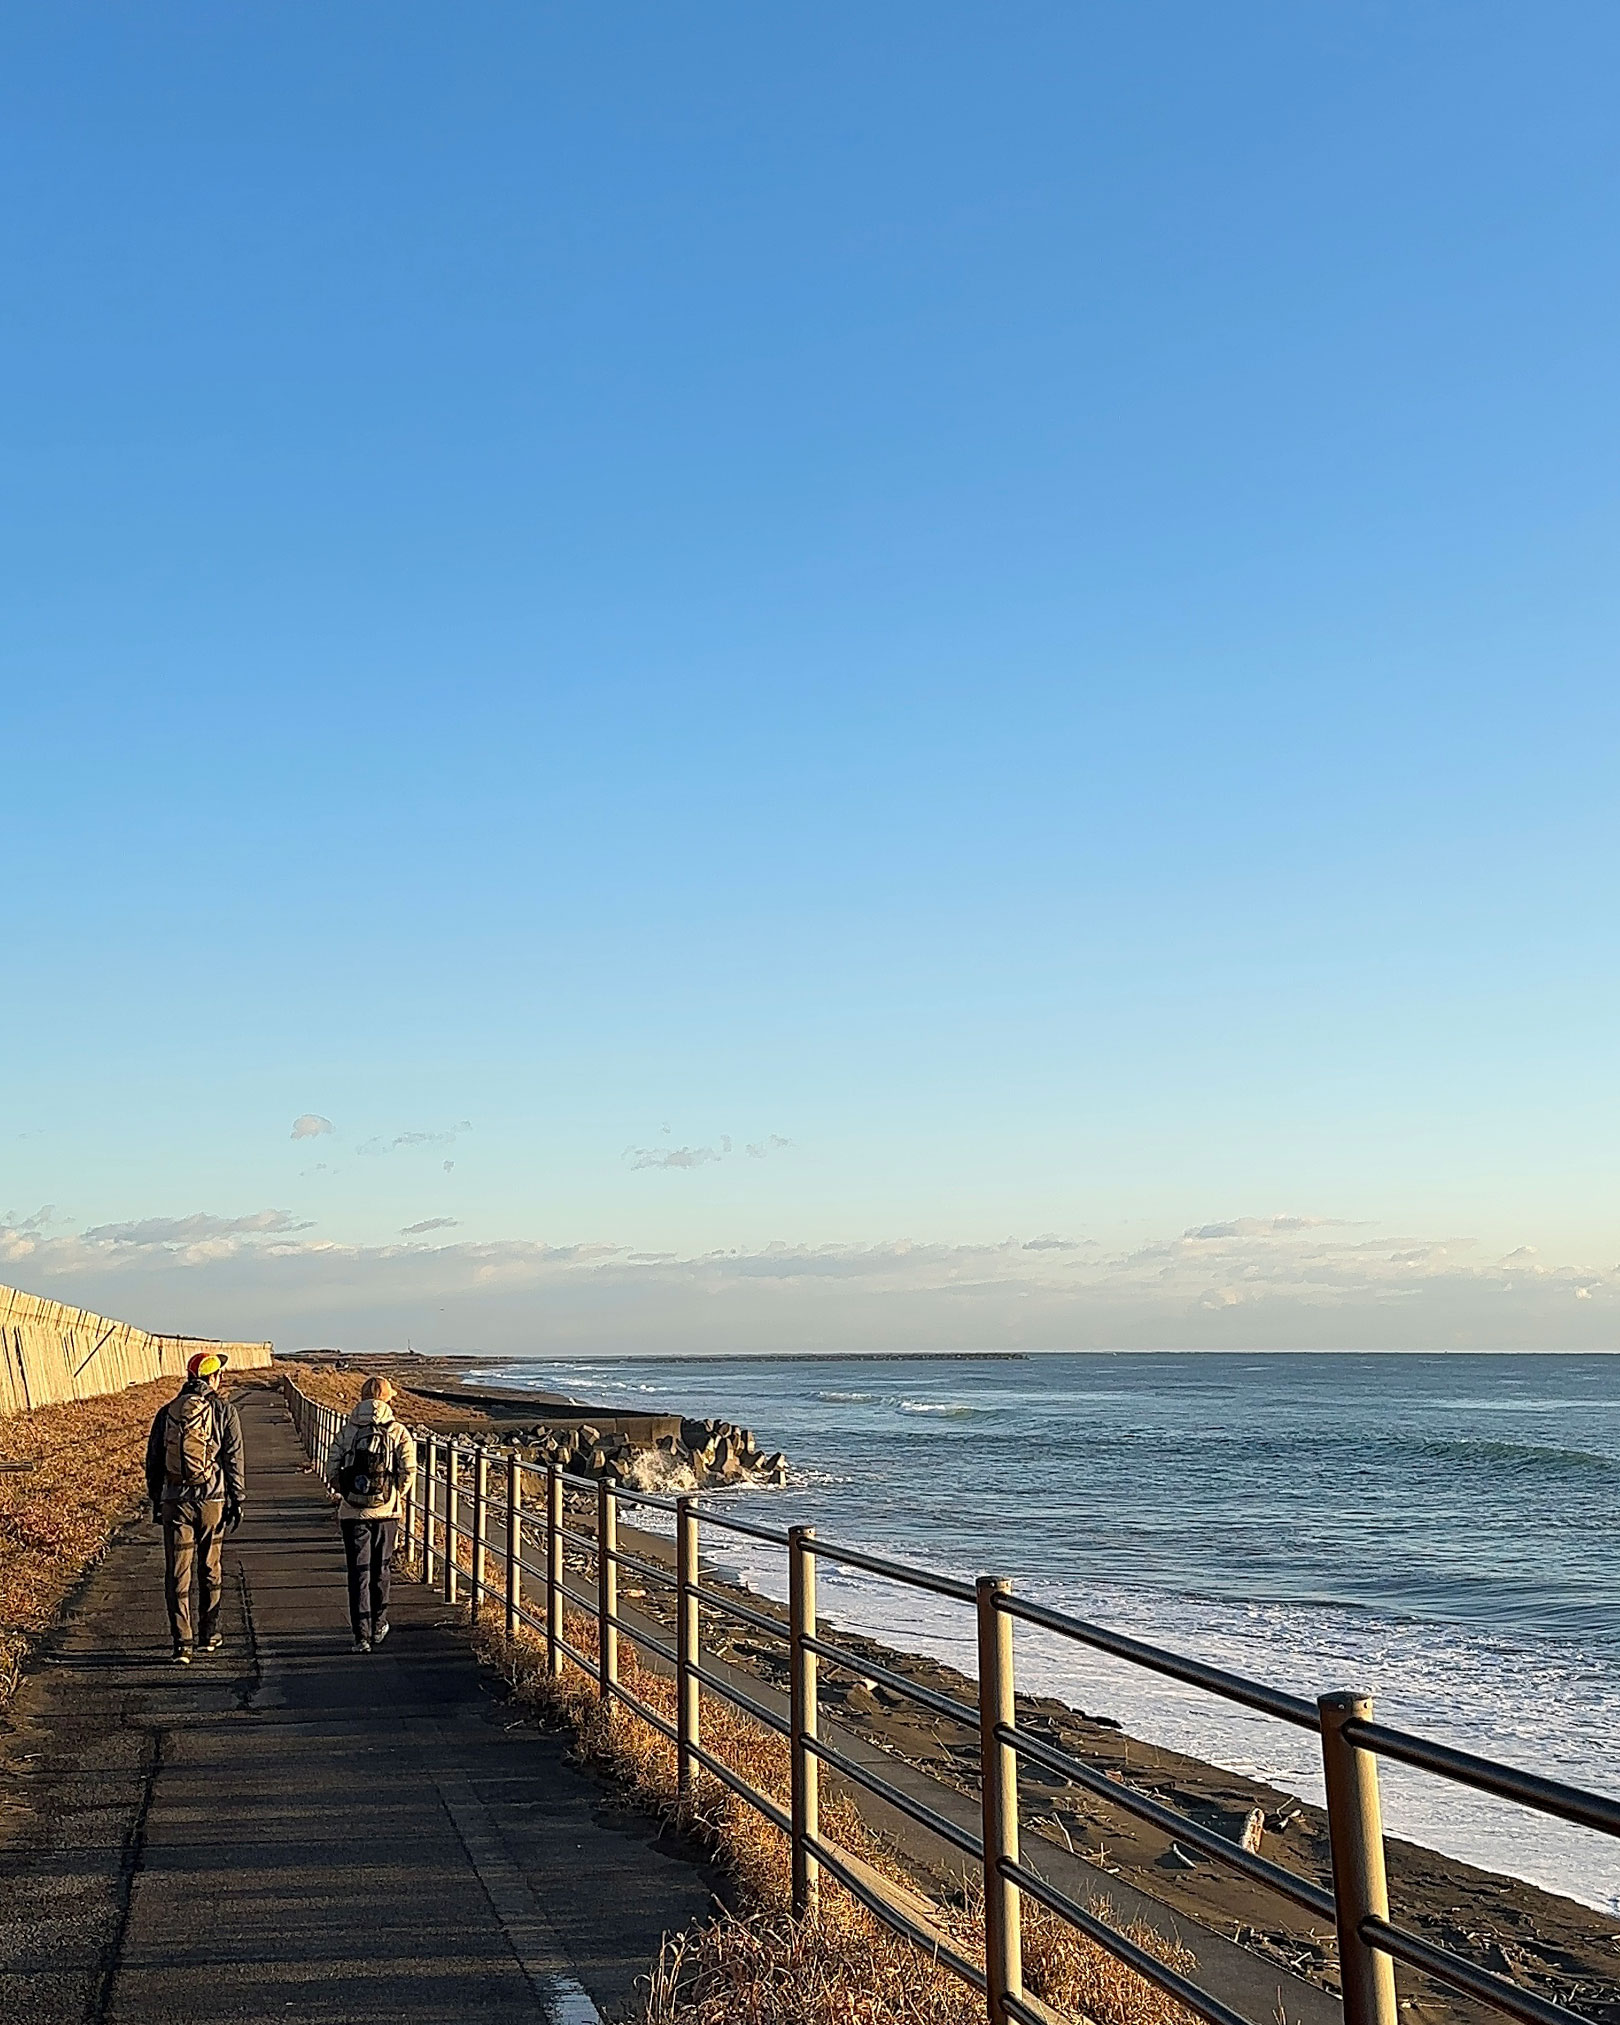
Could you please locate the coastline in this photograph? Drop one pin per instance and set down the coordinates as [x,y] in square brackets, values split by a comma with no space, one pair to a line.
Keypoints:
[1552,1945]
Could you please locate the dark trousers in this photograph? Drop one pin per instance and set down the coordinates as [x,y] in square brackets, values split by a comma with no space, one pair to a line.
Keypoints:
[368,1547]
[193,1537]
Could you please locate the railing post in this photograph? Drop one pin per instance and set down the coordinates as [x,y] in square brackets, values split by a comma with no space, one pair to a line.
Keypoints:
[554,1572]
[607,1590]
[514,1543]
[688,1644]
[1356,1837]
[408,1516]
[998,1708]
[452,1521]
[430,1509]
[804,1767]
[480,1528]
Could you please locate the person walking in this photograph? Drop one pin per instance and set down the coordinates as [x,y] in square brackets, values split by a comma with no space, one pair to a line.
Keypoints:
[196,1481]
[372,1464]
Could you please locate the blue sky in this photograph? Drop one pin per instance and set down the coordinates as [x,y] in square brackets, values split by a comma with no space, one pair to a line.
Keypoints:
[1020,599]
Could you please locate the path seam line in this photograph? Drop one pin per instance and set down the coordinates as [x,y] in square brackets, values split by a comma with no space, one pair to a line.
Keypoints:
[134,1855]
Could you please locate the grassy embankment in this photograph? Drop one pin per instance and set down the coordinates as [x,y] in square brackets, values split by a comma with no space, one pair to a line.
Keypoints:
[56,1518]
[332,1387]
[762,1967]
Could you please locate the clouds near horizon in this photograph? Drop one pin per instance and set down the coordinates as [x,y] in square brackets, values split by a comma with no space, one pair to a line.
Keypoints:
[1255,1282]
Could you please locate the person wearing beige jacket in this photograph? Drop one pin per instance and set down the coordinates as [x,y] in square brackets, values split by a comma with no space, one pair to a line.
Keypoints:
[371,1466]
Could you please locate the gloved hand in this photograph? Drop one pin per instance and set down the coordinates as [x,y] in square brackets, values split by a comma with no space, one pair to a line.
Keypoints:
[233,1515]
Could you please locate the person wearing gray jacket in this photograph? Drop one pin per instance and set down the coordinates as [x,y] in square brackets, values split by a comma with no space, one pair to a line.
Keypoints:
[196,1480]
[371,1466]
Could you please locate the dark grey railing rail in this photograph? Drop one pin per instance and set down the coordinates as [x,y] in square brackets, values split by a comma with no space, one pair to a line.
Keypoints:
[450,1506]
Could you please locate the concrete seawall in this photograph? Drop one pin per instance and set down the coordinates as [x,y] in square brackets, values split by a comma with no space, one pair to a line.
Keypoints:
[50,1353]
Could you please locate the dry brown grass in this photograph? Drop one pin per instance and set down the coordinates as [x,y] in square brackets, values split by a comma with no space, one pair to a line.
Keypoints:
[342,1390]
[763,1967]
[56,1518]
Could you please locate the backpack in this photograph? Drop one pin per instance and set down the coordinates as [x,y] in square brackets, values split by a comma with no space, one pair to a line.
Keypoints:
[190,1441]
[366,1476]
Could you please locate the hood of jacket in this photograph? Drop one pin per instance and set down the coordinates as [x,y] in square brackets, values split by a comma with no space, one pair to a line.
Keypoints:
[372,1413]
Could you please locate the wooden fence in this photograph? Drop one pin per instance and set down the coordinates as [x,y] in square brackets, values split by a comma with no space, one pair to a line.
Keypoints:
[50,1353]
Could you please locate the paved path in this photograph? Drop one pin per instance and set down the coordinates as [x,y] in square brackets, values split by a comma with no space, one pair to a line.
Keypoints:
[291,1830]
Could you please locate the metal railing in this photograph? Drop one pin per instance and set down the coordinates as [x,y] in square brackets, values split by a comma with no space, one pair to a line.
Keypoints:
[454,1474]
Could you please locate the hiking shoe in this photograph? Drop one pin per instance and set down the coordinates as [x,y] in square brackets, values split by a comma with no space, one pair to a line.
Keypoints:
[362,1645]
[182,1655]
[380,1633]
[215,1643]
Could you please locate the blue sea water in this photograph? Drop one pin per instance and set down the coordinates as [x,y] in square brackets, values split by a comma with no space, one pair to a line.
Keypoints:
[1441,1530]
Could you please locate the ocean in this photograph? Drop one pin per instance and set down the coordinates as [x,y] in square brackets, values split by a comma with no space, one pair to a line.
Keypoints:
[1442,1531]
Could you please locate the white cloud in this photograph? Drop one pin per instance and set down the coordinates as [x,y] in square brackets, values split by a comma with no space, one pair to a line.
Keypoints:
[195,1229]
[406,1141]
[676,1156]
[29,1226]
[764,1148]
[1248,1283]
[430,1223]
[1265,1226]
[311,1126]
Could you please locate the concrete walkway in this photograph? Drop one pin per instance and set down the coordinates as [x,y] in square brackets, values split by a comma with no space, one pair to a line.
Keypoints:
[291,1830]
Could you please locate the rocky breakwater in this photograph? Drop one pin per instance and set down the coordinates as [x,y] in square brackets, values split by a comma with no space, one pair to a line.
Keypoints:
[703,1455]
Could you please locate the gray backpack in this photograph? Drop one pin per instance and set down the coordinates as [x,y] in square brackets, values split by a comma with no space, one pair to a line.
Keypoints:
[190,1442]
